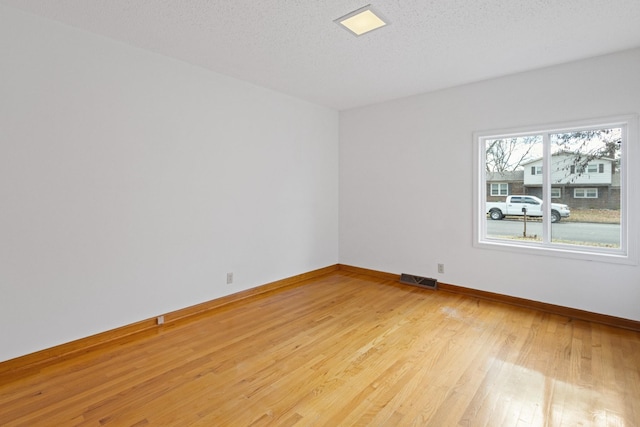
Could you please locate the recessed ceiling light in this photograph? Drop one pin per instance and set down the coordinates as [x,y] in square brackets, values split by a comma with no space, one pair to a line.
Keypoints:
[361,21]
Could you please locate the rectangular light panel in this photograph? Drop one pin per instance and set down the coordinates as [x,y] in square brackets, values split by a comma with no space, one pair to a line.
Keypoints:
[361,21]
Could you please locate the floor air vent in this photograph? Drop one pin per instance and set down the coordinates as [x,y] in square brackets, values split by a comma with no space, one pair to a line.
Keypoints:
[423,282]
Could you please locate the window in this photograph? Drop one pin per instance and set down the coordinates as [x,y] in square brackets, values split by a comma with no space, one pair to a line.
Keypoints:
[549,158]
[499,189]
[585,193]
[599,168]
[530,201]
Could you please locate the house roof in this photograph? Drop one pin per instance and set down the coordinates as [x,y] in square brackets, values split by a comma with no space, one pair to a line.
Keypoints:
[537,159]
[294,47]
[505,176]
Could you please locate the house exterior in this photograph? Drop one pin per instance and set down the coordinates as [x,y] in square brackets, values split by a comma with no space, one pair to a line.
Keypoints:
[594,185]
[502,184]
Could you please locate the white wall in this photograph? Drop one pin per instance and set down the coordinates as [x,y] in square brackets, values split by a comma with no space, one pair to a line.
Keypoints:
[131,183]
[406,183]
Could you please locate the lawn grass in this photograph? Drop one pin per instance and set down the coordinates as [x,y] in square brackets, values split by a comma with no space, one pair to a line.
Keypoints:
[607,216]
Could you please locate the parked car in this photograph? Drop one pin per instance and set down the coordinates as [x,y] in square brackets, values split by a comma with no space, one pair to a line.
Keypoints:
[519,205]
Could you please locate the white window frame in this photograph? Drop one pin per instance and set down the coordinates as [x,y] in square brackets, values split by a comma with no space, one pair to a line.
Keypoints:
[593,166]
[629,196]
[557,191]
[585,192]
[499,186]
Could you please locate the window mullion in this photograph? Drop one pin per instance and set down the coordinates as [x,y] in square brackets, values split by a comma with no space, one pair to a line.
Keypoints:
[546,188]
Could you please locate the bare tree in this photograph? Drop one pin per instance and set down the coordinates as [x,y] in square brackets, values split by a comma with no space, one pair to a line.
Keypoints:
[506,155]
[586,146]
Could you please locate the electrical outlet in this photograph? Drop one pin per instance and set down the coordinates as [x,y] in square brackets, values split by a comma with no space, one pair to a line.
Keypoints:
[160,320]
[441,268]
[229,278]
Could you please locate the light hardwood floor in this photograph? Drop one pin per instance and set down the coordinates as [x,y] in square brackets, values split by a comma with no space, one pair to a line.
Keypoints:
[346,349]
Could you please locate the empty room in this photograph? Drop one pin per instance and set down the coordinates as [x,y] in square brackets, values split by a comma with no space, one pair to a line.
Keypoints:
[234,213]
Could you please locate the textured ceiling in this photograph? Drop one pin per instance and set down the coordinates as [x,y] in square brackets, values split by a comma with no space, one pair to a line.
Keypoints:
[294,47]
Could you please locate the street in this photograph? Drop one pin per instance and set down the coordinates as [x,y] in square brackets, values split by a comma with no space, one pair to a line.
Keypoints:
[567,232]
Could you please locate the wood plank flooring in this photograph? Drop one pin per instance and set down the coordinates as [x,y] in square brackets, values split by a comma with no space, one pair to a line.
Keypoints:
[346,350]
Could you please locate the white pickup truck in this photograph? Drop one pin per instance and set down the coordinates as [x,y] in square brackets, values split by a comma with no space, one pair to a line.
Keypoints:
[516,206]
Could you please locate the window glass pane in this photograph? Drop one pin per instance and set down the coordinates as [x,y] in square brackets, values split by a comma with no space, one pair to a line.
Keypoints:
[519,160]
[577,159]
[499,189]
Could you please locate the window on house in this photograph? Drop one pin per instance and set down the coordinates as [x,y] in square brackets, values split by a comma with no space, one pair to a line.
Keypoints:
[566,156]
[585,193]
[499,189]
